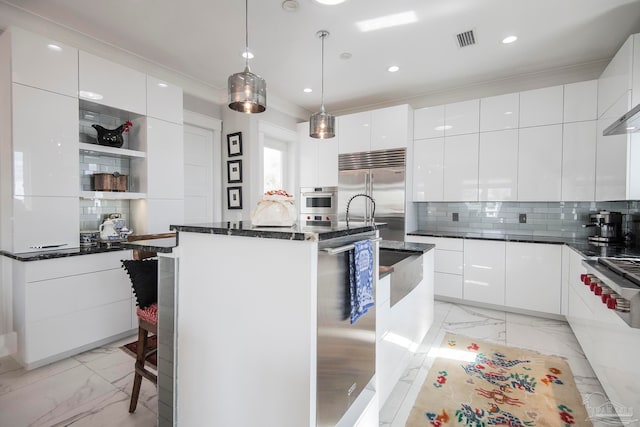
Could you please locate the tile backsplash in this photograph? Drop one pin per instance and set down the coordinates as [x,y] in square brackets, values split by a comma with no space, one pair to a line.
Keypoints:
[562,219]
[93,212]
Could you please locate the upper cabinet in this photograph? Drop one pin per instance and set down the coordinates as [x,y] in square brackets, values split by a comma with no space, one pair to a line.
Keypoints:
[380,129]
[498,165]
[428,170]
[617,78]
[43,63]
[355,132]
[428,122]
[581,101]
[462,118]
[114,85]
[391,127]
[579,161]
[540,163]
[461,168]
[318,159]
[500,112]
[541,106]
[164,100]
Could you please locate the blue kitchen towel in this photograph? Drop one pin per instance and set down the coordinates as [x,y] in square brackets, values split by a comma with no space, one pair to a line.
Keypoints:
[361,278]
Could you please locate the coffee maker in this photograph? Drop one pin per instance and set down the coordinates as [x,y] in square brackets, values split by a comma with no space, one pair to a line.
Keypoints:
[608,227]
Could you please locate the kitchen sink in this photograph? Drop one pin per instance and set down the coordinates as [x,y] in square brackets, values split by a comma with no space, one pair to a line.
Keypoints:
[406,271]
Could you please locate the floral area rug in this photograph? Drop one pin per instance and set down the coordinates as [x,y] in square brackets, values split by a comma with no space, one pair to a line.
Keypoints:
[481,384]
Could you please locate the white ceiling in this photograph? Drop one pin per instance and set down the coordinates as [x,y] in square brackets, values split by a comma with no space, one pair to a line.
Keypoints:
[203,39]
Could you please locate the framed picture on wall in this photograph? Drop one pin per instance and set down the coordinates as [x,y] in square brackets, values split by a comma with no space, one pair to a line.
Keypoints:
[234,197]
[234,171]
[234,144]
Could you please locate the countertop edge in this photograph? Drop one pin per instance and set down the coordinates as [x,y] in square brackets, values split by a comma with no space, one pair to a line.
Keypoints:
[44,255]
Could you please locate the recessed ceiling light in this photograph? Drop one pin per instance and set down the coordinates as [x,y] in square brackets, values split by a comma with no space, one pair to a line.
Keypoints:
[509,39]
[345,55]
[508,113]
[290,5]
[443,127]
[387,21]
[161,84]
[247,54]
[54,47]
[330,2]
[393,68]
[631,128]
[308,90]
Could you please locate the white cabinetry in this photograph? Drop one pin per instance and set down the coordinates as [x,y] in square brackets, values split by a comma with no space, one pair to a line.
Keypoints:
[617,78]
[581,101]
[498,165]
[376,130]
[165,160]
[541,106]
[533,276]
[318,159]
[354,132]
[63,307]
[428,170]
[107,83]
[484,271]
[462,118]
[428,122]
[39,134]
[540,163]
[617,157]
[164,100]
[461,167]
[448,264]
[579,161]
[499,112]
[44,63]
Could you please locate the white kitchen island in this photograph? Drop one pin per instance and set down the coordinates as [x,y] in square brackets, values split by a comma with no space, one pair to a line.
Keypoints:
[263,335]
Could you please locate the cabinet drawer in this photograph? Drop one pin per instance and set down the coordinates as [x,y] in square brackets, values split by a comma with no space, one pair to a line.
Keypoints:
[64,295]
[448,285]
[61,267]
[449,262]
[50,337]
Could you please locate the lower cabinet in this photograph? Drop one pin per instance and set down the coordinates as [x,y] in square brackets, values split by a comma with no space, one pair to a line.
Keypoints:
[400,329]
[484,271]
[517,275]
[533,276]
[67,305]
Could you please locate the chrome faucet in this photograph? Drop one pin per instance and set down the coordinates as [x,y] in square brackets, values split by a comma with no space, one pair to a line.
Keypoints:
[373,212]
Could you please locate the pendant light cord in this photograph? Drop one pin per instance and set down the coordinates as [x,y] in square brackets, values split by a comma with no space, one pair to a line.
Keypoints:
[323,35]
[246,32]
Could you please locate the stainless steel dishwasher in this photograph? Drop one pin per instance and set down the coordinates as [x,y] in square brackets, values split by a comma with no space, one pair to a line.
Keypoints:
[346,353]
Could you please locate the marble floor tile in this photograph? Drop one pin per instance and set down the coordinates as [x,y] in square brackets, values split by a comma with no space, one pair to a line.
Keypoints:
[476,322]
[49,398]
[18,378]
[8,364]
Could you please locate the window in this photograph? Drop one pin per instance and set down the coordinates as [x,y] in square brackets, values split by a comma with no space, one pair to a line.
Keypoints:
[275,164]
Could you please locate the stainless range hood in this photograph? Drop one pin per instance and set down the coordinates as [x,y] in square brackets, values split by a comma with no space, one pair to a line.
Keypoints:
[628,123]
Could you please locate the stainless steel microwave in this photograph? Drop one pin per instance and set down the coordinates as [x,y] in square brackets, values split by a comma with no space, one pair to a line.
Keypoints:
[319,200]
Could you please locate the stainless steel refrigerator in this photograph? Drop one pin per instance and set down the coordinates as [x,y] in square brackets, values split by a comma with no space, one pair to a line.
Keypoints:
[381,175]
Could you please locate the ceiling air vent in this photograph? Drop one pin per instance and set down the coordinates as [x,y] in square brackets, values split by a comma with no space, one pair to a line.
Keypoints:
[467,38]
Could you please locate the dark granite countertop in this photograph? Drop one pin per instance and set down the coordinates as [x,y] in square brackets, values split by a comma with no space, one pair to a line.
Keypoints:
[296,232]
[63,253]
[582,245]
[164,246]
[395,245]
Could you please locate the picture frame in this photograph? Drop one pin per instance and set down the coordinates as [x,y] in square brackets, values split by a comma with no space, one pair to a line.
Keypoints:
[234,197]
[234,171]
[234,144]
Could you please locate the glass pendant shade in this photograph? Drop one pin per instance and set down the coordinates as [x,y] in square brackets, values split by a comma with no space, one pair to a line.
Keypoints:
[247,92]
[322,125]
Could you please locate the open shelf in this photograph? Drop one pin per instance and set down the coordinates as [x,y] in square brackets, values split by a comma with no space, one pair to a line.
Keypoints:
[111,151]
[112,195]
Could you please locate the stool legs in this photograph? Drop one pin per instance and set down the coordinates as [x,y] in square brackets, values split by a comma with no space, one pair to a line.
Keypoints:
[140,359]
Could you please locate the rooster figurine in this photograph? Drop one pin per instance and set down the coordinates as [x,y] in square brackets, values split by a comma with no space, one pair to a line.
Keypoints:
[112,137]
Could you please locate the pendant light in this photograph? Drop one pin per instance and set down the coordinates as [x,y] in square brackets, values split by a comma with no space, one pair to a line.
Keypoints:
[322,124]
[247,91]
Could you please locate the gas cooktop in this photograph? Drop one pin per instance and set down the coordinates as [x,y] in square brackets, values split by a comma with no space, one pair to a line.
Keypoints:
[629,268]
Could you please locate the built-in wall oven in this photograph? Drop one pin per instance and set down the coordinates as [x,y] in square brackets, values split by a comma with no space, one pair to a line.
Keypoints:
[318,206]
